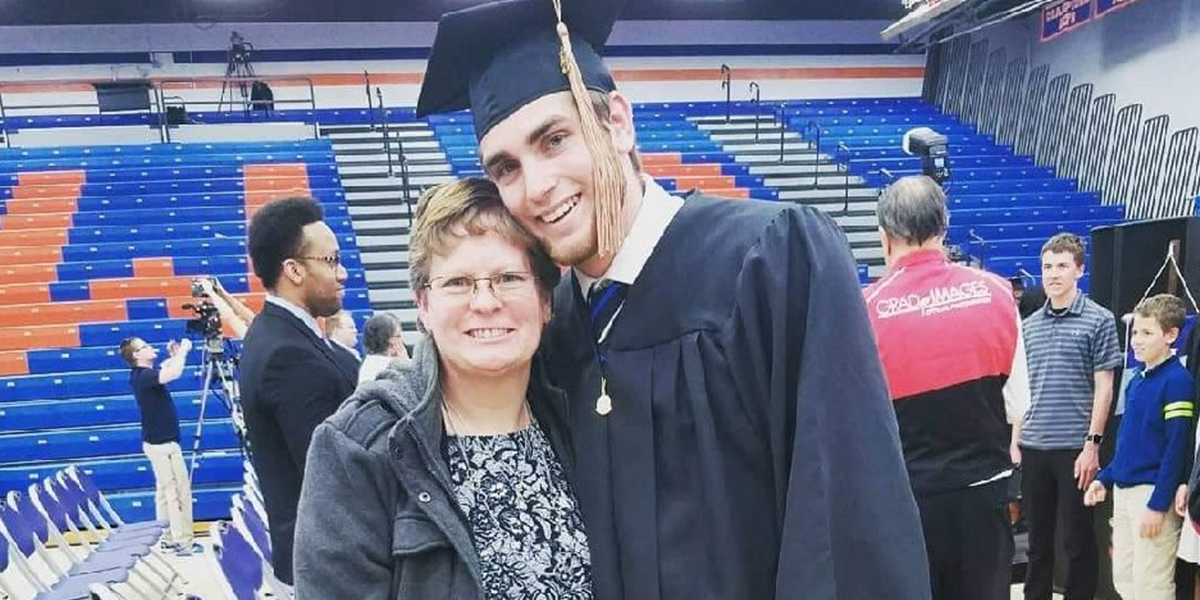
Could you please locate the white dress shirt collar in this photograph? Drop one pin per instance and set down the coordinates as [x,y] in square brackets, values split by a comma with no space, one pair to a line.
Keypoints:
[657,210]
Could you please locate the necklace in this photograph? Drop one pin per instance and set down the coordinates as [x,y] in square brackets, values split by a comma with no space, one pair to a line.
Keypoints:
[533,429]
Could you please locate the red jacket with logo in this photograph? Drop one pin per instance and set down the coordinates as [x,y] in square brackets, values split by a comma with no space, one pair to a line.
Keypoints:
[948,336]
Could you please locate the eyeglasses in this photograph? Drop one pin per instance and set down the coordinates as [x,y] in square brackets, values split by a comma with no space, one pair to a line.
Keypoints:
[504,284]
[333,260]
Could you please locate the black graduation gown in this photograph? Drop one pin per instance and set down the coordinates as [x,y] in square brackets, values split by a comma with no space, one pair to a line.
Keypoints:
[752,451]
[1193,367]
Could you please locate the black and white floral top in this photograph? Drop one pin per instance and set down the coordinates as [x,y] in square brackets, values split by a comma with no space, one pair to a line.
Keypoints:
[523,516]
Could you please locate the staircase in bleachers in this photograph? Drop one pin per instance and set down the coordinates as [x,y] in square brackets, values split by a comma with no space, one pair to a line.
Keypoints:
[375,196]
[100,243]
[1003,207]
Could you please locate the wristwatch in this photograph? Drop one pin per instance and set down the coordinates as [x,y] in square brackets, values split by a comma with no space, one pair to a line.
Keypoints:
[1094,438]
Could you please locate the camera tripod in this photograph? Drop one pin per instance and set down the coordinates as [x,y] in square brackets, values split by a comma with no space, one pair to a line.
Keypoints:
[219,374]
[238,68]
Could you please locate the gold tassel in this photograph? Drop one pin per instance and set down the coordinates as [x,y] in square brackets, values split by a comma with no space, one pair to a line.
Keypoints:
[608,178]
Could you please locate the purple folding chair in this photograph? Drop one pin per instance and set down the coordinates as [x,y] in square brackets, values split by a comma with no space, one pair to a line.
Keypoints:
[7,546]
[75,502]
[239,563]
[27,535]
[254,526]
[103,510]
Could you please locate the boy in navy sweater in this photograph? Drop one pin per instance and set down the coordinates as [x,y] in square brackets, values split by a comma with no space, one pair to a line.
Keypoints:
[1153,450]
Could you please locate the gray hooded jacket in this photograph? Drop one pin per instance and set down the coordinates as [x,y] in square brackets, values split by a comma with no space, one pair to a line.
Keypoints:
[378,519]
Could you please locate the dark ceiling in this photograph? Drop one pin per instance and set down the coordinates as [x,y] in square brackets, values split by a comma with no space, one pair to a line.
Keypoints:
[89,12]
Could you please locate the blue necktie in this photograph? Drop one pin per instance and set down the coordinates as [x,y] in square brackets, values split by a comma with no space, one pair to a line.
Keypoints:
[604,299]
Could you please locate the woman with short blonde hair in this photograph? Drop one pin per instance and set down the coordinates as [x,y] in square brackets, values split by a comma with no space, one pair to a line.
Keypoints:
[448,477]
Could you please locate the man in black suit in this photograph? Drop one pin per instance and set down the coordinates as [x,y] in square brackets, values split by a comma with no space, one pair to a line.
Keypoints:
[291,376]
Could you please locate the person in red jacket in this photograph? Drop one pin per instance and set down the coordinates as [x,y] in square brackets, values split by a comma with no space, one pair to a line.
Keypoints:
[950,339]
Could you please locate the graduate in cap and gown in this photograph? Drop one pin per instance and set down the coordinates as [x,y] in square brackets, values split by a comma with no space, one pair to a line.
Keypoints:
[732,432]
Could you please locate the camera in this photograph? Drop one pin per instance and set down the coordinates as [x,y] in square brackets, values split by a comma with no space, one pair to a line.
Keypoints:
[239,48]
[207,322]
[931,147]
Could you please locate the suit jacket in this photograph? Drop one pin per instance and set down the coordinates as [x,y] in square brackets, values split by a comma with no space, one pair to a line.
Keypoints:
[291,380]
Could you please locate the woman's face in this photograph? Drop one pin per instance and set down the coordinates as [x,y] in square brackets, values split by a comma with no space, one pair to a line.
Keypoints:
[483,329]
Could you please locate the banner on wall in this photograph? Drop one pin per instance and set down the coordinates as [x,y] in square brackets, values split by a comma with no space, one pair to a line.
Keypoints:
[1061,16]
[1104,7]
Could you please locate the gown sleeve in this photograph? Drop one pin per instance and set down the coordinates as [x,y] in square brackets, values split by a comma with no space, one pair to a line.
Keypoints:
[802,344]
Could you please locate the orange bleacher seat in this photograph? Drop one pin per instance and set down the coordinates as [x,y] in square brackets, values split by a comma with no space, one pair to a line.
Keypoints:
[256,286]
[28,274]
[63,313]
[253,301]
[277,182]
[42,206]
[13,362]
[47,191]
[76,177]
[24,293]
[256,199]
[661,159]
[47,221]
[153,267]
[46,336]
[737,193]
[734,193]
[33,237]
[34,255]
[685,171]
[299,170]
[140,287]
[705,183]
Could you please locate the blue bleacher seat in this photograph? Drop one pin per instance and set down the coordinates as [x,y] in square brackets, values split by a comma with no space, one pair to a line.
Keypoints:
[114,410]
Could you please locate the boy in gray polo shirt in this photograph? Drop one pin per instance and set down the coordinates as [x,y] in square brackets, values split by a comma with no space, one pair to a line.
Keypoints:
[1072,349]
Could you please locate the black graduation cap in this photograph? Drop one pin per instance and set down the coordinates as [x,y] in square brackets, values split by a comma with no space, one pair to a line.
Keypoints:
[495,58]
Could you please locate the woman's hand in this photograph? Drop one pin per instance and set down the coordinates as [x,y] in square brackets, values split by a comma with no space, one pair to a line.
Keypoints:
[1181,495]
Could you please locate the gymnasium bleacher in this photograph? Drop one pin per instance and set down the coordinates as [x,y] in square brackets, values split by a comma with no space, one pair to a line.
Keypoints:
[101,243]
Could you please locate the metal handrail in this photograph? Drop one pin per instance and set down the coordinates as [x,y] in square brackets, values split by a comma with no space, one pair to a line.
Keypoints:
[782,118]
[157,87]
[311,101]
[405,182]
[370,104]
[812,131]
[725,83]
[756,90]
[387,144]
[975,237]
[841,151]
[4,123]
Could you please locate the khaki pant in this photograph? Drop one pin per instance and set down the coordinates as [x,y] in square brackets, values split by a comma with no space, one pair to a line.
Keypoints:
[1143,569]
[172,490]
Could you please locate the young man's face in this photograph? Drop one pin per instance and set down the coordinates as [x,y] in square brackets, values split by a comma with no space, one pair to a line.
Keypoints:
[1151,344]
[538,160]
[1060,274]
[321,274]
[143,353]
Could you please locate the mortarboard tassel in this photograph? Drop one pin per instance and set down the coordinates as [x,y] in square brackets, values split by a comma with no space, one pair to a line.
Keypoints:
[608,178]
